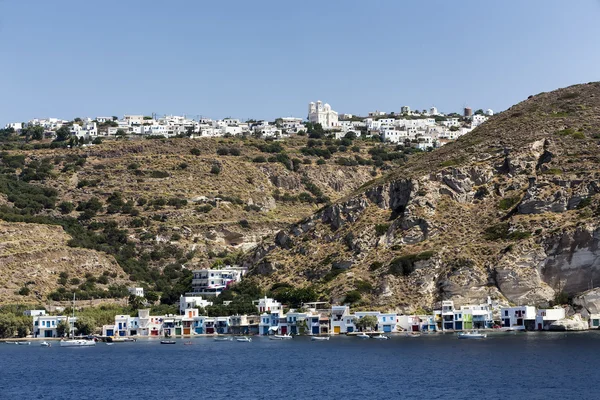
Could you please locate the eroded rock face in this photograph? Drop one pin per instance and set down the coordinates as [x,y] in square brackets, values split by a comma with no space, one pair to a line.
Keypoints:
[589,302]
[573,260]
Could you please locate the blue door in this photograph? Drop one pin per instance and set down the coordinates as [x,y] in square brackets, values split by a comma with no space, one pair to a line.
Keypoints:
[387,328]
[315,330]
[458,325]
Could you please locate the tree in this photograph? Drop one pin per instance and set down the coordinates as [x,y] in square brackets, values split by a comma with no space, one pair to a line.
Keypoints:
[136,302]
[8,325]
[152,296]
[367,322]
[63,134]
[62,329]
[85,325]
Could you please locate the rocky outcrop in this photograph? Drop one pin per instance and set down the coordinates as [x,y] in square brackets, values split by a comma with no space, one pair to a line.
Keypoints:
[589,302]
[574,323]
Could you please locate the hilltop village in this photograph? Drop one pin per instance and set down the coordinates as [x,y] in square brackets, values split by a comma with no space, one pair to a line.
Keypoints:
[423,129]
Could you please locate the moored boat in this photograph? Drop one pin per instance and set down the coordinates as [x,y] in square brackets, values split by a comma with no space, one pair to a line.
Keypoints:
[243,339]
[472,335]
[45,344]
[222,339]
[319,338]
[380,337]
[280,337]
[363,336]
[167,342]
[75,342]
[24,343]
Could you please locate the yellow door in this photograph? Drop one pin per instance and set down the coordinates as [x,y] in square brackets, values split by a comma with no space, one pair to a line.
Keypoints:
[336,329]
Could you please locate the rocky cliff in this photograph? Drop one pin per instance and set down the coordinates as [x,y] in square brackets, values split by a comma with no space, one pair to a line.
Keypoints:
[509,210]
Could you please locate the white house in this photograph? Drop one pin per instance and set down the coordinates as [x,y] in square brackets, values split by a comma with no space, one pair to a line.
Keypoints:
[341,320]
[267,304]
[211,282]
[188,302]
[45,325]
[322,114]
[545,317]
[34,313]
[477,120]
[405,110]
[136,291]
[519,318]
[386,322]
[17,126]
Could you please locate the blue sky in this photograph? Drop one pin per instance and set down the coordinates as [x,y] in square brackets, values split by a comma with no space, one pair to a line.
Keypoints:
[264,59]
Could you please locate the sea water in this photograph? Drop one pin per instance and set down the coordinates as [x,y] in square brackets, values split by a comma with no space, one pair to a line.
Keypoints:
[503,366]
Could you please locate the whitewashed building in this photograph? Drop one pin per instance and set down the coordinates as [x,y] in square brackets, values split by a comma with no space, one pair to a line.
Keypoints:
[211,282]
[320,113]
[518,318]
[545,317]
[188,302]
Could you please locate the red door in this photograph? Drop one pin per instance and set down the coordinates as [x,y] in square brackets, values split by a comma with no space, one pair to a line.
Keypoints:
[284,330]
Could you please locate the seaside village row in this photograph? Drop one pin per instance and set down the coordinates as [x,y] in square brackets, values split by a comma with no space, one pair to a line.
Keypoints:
[314,318]
[422,129]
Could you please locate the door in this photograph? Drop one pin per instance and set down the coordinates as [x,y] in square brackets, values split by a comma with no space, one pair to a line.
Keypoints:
[284,330]
[336,329]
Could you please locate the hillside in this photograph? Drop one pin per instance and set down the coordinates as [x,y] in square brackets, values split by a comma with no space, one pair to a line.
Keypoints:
[34,257]
[158,208]
[509,211]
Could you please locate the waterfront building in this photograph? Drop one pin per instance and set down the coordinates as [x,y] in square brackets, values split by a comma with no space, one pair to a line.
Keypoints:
[520,318]
[386,322]
[545,317]
[45,325]
[594,321]
[320,113]
[244,324]
[211,282]
[341,320]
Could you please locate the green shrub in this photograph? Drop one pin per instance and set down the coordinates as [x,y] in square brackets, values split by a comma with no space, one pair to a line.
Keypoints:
[508,202]
[405,265]
[215,169]
[205,208]
[353,296]
[159,174]
[381,229]
[195,152]
[363,286]
[375,265]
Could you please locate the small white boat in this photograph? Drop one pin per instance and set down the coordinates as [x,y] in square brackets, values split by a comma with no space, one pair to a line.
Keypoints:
[168,342]
[45,344]
[319,338]
[77,343]
[380,337]
[280,337]
[24,343]
[109,344]
[472,335]
[363,335]
[222,339]
[243,339]
[519,328]
[413,334]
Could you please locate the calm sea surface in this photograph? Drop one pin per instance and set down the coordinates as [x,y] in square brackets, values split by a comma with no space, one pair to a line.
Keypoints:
[503,366]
